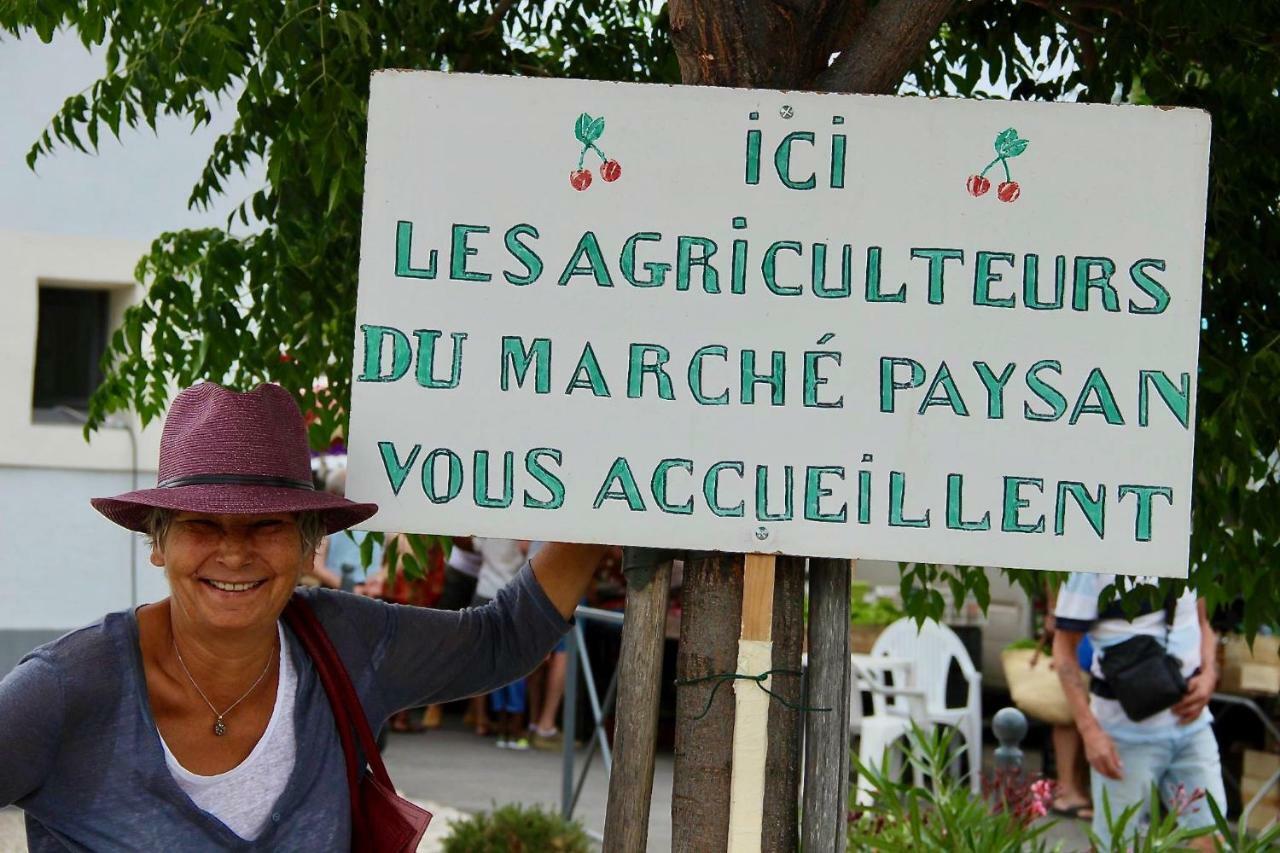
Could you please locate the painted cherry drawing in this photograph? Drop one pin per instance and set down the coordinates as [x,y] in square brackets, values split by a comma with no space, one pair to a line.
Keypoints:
[1008,145]
[588,130]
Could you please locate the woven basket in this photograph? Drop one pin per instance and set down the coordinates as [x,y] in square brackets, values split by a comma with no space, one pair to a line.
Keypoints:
[1034,685]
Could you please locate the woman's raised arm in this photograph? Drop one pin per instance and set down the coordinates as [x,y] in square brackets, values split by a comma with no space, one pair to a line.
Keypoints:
[565,571]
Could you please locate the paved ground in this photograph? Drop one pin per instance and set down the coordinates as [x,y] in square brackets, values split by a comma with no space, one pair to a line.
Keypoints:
[13,835]
[450,766]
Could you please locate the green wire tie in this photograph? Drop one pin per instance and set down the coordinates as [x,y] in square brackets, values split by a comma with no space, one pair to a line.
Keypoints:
[722,677]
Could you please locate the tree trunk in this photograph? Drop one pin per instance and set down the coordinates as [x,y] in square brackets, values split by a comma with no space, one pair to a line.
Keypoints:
[709,628]
[788,45]
[782,770]
[885,44]
[759,45]
[780,45]
[626,827]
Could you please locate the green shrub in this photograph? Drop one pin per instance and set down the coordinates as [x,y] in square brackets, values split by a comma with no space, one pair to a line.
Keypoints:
[1162,833]
[863,612]
[946,817]
[516,829]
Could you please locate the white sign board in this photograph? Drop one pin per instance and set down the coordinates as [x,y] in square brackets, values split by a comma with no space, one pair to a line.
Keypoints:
[831,325]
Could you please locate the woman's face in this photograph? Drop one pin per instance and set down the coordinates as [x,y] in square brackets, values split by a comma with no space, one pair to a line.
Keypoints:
[231,571]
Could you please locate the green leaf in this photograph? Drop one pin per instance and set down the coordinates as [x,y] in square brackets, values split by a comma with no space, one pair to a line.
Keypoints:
[596,130]
[1016,147]
[202,354]
[413,569]
[582,129]
[366,550]
[1003,138]
[335,191]
[133,330]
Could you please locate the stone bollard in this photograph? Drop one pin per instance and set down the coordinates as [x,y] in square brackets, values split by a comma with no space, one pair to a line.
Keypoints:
[1010,727]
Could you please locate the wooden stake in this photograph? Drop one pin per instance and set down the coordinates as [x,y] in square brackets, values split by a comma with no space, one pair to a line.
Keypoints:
[826,783]
[781,831]
[757,597]
[626,826]
[751,710]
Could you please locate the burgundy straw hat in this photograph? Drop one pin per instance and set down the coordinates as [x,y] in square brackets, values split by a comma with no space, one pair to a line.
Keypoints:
[224,452]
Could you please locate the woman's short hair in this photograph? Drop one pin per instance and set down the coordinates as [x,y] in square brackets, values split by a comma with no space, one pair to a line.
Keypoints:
[310,528]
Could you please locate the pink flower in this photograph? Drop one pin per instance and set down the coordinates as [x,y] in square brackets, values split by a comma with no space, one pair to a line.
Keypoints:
[1181,802]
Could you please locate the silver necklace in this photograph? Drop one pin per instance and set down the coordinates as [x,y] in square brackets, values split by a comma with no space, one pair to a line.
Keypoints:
[219,727]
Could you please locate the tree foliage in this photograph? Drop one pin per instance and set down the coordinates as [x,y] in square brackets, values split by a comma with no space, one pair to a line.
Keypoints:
[272,295]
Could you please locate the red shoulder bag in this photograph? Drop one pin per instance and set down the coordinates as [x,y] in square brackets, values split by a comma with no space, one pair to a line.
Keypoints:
[381,820]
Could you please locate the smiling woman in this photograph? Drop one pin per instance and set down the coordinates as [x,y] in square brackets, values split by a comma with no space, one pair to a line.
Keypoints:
[200,721]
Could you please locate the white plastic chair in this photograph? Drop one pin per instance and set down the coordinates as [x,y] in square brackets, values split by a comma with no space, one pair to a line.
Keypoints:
[930,648]
[879,734]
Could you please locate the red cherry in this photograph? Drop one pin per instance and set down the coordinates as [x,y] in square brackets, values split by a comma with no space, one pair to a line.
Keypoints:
[1008,191]
[610,170]
[581,179]
[978,185]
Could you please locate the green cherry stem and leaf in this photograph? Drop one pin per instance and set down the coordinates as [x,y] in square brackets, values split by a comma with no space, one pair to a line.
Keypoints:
[588,130]
[1007,145]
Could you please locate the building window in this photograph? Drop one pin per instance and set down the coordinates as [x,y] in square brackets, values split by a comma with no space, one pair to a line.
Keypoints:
[71,335]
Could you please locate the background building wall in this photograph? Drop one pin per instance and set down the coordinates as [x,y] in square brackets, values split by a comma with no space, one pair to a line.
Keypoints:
[62,565]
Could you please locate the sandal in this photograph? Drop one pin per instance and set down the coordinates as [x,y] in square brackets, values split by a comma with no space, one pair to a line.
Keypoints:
[1075,811]
[406,723]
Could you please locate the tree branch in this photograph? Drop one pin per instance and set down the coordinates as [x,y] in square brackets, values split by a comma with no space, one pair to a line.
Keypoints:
[495,18]
[889,40]
[835,31]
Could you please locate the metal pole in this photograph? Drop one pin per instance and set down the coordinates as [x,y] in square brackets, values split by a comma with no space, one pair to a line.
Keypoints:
[597,711]
[591,752]
[570,723]
[133,487]
[120,422]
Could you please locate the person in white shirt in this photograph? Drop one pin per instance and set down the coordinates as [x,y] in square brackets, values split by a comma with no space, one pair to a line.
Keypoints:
[500,561]
[1174,748]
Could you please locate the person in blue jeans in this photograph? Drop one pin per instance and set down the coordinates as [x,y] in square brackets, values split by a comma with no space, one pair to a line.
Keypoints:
[1174,749]
[509,702]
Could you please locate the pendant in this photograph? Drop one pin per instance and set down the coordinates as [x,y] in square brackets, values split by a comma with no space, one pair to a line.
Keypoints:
[219,728]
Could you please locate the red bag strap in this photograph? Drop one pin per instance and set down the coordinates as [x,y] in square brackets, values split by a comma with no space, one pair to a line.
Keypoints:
[348,713]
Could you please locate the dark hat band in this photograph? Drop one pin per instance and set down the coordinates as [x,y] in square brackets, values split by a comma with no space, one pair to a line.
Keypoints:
[237,480]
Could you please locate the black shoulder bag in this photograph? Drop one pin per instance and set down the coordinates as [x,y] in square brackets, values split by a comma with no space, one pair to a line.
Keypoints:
[1141,674]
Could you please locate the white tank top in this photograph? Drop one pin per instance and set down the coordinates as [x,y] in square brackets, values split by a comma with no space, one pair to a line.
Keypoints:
[243,797]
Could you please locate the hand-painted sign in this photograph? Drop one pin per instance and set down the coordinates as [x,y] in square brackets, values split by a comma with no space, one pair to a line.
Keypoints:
[894,328]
